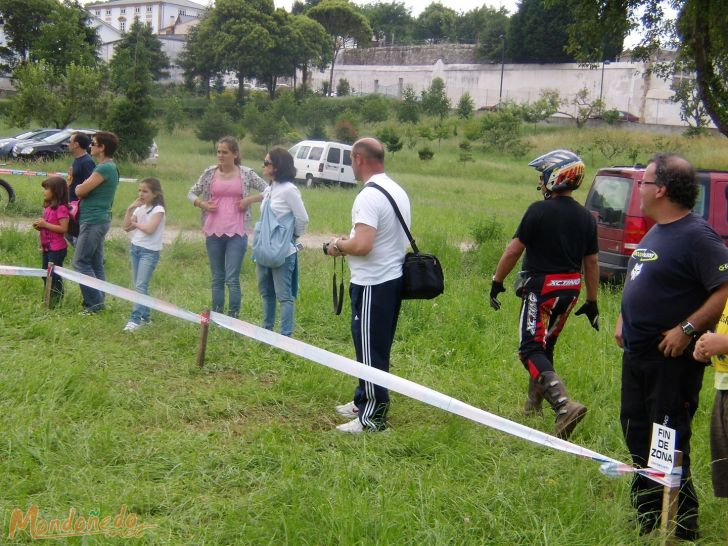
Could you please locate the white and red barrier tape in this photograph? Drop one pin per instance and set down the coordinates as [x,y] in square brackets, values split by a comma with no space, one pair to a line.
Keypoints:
[21,172]
[609,466]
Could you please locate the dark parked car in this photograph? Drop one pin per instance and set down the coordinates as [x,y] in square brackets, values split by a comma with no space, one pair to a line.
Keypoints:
[7,144]
[615,116]
[46,148]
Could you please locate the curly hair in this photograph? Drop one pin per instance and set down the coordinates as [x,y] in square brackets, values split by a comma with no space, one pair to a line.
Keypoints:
[677,175]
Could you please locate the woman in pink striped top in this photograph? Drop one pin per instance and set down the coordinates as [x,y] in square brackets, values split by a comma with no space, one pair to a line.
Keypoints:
[223,194]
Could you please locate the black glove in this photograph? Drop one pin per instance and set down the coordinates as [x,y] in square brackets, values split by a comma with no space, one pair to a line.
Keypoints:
[495,289]
[590,309]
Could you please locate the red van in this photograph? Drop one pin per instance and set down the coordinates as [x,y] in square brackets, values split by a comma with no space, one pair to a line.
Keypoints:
[614,200]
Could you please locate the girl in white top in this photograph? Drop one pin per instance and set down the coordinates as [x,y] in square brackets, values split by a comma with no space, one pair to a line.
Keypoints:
[144,220]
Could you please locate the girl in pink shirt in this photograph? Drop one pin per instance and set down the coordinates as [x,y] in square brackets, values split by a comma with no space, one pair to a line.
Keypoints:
[52,228]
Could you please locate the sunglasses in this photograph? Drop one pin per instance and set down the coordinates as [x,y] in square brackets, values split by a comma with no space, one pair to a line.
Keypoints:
[267,163]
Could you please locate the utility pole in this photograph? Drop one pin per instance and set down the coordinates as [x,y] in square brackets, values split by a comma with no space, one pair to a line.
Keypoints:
[503,60]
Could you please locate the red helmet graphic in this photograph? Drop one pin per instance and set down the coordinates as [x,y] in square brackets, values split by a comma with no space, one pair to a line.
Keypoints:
[560,170]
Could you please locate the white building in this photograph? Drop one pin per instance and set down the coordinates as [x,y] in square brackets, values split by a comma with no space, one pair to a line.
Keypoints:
[120,14]
[169,20]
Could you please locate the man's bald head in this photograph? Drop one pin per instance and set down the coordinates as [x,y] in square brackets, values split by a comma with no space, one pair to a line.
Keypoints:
[370,148]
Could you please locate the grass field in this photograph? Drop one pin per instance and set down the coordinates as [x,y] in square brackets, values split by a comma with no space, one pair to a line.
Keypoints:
[244,451]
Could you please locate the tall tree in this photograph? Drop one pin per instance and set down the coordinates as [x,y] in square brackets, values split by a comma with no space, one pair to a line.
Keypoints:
[51,97]
[392,19]
[703,29]
[297,41]
[469,25]
[699,34]
[138,47]
[131,114]
[244,37]
[435,100]
[300,8]
[66,37]
[312,48]
[23,19]
[199,58]
[343,22]
[436,24]
[538,33]
[494,36]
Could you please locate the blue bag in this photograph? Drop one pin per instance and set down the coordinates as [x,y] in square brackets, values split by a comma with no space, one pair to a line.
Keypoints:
[273,237]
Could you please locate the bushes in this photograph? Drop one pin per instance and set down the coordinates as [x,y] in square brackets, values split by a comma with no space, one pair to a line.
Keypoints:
[374,108]
[390,139]
[345,131]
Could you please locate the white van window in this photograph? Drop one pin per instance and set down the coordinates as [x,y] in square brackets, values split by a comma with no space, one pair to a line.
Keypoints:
[347,158]
[316,152]
[334,155]
[293,151]
[303,152]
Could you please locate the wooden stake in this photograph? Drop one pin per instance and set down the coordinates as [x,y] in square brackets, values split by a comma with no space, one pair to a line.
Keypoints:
[669,506]
[48,285]
[204,329]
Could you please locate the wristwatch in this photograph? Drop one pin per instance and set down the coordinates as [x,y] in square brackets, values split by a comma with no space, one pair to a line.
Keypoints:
[688,329]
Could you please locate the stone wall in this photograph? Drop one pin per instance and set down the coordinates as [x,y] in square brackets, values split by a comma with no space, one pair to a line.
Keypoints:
[410,55]
[622,85]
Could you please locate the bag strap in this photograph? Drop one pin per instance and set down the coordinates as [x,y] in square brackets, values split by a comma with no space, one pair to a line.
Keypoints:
[338,299]
[396,211]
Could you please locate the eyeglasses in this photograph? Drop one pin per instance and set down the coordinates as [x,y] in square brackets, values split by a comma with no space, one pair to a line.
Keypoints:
[267,163]
[647,183]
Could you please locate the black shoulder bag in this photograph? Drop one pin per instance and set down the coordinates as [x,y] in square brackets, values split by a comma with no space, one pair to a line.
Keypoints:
[423,277]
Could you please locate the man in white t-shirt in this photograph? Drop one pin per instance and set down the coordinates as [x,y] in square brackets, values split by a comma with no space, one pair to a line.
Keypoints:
[375,250]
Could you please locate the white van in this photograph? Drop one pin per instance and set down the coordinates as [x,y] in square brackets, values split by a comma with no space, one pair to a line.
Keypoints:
[320,162]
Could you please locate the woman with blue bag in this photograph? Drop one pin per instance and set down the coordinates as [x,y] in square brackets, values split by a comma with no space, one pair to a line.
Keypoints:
[283,218]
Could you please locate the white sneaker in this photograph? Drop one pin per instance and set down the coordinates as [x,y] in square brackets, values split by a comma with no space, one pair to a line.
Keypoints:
[354,427]
[348,410]
[131,326]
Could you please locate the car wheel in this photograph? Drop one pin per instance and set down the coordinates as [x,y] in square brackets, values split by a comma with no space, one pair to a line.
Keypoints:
[309,181]
[7,195]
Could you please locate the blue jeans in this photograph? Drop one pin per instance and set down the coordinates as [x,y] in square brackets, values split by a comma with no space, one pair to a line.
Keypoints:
[226,258]
[277,284]
[89,260]
[143,262]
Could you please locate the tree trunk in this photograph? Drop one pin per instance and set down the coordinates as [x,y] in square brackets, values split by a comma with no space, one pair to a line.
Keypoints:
[710,87]
[241,88]
[331,75]
[304,78]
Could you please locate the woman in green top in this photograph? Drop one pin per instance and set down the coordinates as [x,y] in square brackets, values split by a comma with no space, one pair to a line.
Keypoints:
[97,195]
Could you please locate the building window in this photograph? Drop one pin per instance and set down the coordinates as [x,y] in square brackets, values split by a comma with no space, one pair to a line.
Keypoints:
[108,12]
[122,26]
[137,10]
[97,12]
[149,9]
[182,12]
[123,11]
